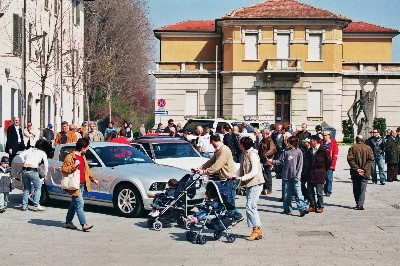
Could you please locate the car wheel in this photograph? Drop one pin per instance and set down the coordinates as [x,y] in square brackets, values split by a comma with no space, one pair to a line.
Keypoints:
[128,201]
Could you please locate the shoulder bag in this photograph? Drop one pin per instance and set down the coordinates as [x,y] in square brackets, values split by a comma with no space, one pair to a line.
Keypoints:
[71,181]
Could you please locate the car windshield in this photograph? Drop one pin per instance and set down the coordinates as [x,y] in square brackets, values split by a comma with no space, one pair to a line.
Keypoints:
[174,150]
[191,125]
[120,155]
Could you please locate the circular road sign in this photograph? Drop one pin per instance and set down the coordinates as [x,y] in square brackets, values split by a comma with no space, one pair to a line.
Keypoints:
[161,103]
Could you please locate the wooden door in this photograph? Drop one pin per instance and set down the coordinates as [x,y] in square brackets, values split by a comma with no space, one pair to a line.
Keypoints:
[282,107]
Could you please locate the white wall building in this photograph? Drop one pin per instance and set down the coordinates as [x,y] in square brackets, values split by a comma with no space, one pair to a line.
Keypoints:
[54,39]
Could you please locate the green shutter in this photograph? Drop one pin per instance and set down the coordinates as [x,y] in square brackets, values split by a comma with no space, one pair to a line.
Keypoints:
[12,102]
[48,109]
[16,34]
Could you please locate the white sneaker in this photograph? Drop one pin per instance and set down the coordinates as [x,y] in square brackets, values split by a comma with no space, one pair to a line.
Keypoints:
[38,208]
[154,213]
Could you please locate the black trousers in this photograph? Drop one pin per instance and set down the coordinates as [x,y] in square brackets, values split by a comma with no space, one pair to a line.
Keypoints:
[359,189]
[391,171]
[267,177]
[304,190]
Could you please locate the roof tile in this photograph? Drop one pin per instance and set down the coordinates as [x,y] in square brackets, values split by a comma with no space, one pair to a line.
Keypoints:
[278,9]
[191,25]
[361,26]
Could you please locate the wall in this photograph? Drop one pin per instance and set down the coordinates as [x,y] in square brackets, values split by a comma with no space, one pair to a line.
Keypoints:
[367,50]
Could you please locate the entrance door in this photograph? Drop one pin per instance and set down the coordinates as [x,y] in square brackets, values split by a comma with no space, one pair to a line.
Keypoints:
[282,107]
[283,49]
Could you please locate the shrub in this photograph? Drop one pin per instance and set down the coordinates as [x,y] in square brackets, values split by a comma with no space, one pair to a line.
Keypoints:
[348,140]
[347,127]
[380,123]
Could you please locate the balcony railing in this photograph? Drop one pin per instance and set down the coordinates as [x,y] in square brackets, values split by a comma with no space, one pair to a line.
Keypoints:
[186,66]
[283,64]
[371,68]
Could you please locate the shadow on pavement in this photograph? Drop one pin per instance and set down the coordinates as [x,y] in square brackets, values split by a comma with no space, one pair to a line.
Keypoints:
[339,206]
[46,222]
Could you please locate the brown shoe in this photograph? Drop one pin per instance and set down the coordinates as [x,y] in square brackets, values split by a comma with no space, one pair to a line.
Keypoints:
[255,235]
[269,191]
[361,208]
[319,210]
[311,209]
[86,227]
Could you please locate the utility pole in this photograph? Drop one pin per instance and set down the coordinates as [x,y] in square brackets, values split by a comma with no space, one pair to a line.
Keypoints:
[23,75]
[216,82]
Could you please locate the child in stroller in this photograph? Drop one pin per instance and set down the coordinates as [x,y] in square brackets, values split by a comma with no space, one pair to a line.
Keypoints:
[210,203]
[213,215]
[170,209]
[162,199]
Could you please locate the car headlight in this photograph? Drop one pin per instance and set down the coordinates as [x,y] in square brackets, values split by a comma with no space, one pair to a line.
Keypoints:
[158,186]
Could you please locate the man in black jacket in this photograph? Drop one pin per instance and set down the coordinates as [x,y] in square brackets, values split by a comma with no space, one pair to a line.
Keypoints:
[377,144]
[15,141]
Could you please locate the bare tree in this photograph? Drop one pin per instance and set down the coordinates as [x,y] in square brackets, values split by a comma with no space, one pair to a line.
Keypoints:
[118,52]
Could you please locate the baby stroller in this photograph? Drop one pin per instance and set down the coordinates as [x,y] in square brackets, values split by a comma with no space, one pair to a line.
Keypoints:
[176,208]
[216,219]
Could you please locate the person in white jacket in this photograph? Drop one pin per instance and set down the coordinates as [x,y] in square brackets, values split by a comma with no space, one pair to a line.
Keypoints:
[252,178]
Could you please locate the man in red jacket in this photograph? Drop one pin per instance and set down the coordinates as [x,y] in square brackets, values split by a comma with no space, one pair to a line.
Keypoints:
[332,148]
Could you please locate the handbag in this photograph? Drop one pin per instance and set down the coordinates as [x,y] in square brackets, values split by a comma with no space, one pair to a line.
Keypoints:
[71,181]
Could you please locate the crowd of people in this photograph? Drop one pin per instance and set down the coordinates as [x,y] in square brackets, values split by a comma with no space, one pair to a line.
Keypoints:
[305,162]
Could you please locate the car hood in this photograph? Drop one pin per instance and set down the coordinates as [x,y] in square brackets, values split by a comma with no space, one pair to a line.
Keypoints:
[150,170]
[185,163]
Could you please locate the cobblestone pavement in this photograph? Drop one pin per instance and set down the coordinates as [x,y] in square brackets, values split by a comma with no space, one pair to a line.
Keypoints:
[339,236]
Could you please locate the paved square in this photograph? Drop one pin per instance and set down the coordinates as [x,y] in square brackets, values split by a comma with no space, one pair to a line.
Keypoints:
[339,236]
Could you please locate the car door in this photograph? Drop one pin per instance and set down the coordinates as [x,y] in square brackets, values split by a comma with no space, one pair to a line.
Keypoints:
[102,192]
[53,181]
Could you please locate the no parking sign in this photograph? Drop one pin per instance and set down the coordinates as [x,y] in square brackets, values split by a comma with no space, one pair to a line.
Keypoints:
[161,103]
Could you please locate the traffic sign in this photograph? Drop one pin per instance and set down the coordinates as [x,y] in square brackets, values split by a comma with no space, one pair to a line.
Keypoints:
[161,103]
[160,112]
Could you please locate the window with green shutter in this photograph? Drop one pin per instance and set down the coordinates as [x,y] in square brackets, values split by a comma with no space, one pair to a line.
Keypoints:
[77,12]
[12,102]
[17,34]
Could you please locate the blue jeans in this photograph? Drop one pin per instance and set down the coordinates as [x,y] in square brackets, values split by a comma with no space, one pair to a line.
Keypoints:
[29,177]
[293,188]
[379,161]
[77,206]
[252,195]
[3,200]
[329,181]
[231,184]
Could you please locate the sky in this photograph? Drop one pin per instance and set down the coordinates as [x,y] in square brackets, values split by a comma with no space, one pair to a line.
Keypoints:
[381,12]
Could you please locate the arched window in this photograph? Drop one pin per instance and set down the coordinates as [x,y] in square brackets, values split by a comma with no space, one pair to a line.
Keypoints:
[29,109]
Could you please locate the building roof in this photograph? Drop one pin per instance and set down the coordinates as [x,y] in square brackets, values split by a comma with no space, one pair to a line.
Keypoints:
[283,9]
[364,27]
[190,25]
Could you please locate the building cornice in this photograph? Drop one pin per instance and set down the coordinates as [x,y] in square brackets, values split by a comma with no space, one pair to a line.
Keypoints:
[368,35]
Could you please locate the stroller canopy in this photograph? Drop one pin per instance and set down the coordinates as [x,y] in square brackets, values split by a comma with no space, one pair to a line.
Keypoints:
[223,193]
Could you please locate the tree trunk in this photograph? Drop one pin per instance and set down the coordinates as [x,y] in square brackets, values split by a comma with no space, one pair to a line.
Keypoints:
[42,106]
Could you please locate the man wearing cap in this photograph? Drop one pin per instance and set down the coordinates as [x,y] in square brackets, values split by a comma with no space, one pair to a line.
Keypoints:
[360,158]
[377,144]
[332,148]
[304,147]
[319,163]
[48,133]
[15,139]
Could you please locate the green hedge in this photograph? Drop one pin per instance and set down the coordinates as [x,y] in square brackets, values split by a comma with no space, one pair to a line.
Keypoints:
[348,140]
[380,123]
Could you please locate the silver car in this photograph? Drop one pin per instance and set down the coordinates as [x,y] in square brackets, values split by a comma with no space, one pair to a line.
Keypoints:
[128,179]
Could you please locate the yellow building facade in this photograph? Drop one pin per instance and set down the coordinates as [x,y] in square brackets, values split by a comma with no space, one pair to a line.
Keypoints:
[269,63]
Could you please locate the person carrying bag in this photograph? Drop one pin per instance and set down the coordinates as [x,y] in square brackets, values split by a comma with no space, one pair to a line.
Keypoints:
[75,164]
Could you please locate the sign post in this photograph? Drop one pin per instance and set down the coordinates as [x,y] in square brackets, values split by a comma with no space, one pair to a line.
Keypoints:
[161,104]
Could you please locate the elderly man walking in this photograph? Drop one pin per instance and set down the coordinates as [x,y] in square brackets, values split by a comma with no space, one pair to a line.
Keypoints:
[15,139]
[360,158]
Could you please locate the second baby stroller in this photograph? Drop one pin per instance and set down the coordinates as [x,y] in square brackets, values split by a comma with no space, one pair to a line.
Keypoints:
[213,215]
[174,209]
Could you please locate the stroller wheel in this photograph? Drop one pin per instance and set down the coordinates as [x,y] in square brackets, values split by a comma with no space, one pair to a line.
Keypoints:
[188,225]
[157,225]
[217,235]
[201,239]
[231,238]
[193,237]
